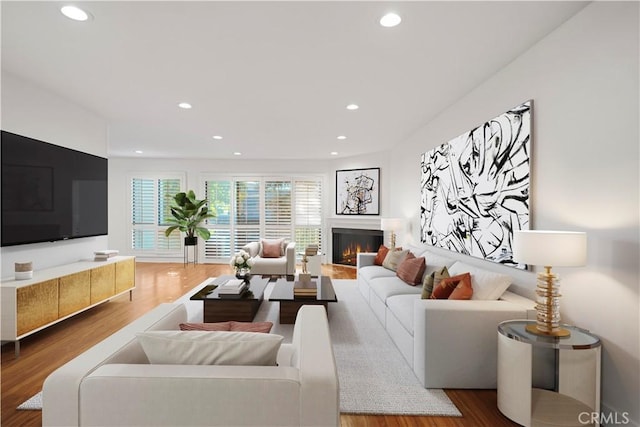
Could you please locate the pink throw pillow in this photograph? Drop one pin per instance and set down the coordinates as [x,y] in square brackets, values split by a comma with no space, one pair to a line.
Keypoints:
[272,248]
[264,327]
[220,326]
[411,269]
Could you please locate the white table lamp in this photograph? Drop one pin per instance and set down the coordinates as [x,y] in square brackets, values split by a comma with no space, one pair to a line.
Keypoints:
[549,248]
[391,224]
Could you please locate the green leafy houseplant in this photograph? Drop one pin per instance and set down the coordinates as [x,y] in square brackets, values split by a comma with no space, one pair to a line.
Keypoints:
[188,213]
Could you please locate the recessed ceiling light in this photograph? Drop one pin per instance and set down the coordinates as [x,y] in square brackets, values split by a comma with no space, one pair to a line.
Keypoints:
[184,105]
[342,137]
[75,13]
[138,151]
[390,20]
[237,153]
[352,107]
[334,153]
[217,137]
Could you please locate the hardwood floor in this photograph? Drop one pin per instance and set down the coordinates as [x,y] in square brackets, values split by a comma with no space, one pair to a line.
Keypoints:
[156,283]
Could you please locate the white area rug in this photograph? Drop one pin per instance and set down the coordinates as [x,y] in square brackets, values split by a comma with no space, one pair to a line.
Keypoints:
[34,403]
[374,377]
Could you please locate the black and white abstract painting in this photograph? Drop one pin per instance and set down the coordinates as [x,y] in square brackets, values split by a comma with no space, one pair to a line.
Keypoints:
[475,188]
[358,192]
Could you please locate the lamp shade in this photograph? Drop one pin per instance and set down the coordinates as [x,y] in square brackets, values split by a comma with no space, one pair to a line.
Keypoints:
[550,248]
[391,224]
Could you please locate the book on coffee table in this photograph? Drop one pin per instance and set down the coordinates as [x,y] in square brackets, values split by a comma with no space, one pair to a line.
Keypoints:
[305,289]
[232,287]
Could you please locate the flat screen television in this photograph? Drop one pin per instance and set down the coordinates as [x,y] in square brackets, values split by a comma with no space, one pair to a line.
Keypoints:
[49,192]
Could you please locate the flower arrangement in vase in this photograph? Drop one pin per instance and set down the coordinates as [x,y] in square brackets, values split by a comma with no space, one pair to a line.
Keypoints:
[242,263]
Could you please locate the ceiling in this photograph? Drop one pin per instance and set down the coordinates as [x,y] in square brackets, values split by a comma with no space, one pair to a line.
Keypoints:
[272,78]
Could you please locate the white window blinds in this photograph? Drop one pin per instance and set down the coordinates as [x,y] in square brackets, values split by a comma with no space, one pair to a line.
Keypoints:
[151,199]
[248,209]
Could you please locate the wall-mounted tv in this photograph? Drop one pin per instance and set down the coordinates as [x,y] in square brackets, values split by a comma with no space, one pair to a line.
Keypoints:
[49,192]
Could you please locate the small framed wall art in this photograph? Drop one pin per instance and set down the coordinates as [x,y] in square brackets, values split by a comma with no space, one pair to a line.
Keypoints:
[358,192]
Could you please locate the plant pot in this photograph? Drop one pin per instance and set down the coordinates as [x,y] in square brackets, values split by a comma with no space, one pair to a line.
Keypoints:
[191,241]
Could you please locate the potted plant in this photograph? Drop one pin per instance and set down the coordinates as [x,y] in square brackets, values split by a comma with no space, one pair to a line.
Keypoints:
[188,214]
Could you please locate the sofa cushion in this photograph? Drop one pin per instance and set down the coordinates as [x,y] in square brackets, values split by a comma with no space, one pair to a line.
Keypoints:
[436,262]
[372,271]
[432,280]
[272,248]
[411,269]
[210,348]
[487,285]
[393,259]
[264,327]
[385,287]
[401,306]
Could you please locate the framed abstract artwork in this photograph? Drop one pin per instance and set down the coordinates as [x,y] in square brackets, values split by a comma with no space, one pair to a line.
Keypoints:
[358,192]
[475,188]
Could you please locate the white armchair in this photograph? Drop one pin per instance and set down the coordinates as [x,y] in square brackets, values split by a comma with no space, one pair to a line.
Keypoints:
[284,264]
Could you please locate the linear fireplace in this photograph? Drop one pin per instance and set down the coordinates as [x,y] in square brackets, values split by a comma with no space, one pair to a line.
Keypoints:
[347,242]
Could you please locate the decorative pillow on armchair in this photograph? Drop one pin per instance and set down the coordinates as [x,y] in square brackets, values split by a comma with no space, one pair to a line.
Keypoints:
[272,248]
[411,269]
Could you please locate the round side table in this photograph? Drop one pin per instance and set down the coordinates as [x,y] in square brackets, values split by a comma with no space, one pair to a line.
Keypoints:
[575,373]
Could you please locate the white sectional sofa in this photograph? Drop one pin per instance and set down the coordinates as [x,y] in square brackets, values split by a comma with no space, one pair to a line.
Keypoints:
[448,343]
[113,383]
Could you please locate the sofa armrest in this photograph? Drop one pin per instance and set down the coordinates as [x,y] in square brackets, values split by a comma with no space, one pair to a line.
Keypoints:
[252,248]
[365,259]
[170,395]
[60,389]
[455,342]
[320,399]
[290,253]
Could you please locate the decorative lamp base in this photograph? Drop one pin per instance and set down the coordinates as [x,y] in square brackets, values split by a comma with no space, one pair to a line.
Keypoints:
[548,307]
[559,332]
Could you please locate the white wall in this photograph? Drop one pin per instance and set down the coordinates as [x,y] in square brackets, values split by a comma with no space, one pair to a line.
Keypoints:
[120,169]
[583,79]
[37,113]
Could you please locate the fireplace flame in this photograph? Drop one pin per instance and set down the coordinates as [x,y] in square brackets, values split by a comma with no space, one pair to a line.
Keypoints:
[350,253]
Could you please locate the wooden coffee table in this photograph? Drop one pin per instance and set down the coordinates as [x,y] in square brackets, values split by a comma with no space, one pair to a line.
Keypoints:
[290,303]
[242,308]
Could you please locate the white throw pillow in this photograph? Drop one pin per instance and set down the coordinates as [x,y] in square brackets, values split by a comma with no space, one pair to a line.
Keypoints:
[486,285]
[210,348]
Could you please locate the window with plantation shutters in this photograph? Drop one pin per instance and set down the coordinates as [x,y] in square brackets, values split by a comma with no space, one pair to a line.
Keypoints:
[151,199]
[250,209]
[308,213]
[247,218]
[277,209]
[218,193]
